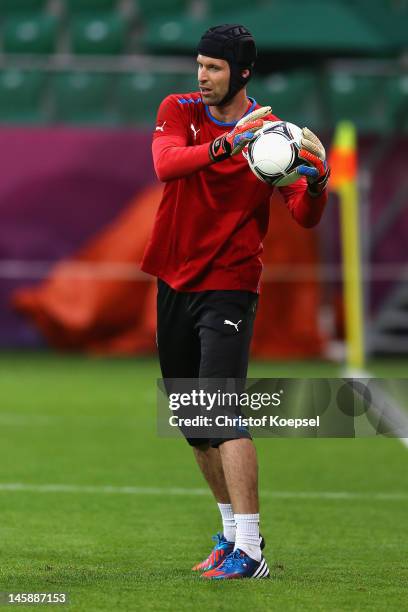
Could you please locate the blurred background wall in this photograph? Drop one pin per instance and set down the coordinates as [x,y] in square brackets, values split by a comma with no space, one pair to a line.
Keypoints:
[80,83]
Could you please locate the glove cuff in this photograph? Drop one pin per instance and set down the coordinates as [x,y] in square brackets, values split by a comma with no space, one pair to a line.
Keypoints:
[219,149]
[315,188]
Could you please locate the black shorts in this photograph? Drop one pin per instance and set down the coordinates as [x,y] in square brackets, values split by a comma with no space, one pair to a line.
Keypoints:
[204,334]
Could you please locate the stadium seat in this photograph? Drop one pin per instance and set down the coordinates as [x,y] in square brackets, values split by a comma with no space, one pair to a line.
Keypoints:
[359,98]
[225,6]
[24,6]
[30,34]
[90,6]
[103,33]
[83,97]
[160,8]
[187,82]
[396,102]
[139,95]
[21,96]
[293,97]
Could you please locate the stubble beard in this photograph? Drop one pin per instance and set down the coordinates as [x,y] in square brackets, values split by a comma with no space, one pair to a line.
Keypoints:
[218,100]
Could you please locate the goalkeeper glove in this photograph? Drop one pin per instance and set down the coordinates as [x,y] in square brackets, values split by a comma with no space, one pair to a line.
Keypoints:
[233,142]
[316,170]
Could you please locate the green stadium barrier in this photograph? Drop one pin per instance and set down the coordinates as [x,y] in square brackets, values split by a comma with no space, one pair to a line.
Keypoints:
[139,95]
[396,102]
[388,16]
[359,98]
[21,94]
[25,6]
[148,9]
[187,83]
[30,34]
[292,96]
[103,33]
[375,104]
[83,97]
[90,6]
[216,7]
[339,28]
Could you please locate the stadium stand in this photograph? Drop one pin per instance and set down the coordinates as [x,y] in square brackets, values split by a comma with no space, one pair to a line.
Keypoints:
[340,28]
[357,97]
[396,111]
[283,91]
[102,30]
[83,97]
[140,94]
[148,9]
[18,6]
[33,33]
[21,93]
[90,6]
[101,33]
[215,7]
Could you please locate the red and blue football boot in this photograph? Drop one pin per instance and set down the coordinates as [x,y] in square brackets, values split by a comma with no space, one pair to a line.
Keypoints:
[220,551]
[238,565]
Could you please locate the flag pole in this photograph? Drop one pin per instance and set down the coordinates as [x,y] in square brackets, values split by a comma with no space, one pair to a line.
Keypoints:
[344,182]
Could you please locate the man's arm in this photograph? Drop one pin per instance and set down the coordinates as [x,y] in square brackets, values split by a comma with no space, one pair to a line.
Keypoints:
[174,159]
[305,208]
[307,197]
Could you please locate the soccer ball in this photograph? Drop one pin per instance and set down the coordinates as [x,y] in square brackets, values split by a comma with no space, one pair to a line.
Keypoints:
[273,155]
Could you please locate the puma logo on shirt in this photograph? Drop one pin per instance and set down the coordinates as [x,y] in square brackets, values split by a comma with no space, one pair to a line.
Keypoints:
[195,132]
[160,127]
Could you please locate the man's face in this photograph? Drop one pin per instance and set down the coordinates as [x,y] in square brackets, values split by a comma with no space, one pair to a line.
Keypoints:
[213,79]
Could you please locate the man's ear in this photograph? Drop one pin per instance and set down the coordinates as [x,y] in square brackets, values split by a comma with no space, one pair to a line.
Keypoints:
[245,73]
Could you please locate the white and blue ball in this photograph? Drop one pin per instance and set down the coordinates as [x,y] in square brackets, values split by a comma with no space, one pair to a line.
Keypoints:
[273,154]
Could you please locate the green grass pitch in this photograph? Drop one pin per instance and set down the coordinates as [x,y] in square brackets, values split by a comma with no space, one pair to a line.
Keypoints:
[85,424]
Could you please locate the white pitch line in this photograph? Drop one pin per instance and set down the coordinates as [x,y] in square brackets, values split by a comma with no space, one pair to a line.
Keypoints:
[9,419]
[180,491]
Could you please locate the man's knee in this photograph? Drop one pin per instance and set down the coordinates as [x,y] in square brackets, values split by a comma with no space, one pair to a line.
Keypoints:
[202,444]
[217,442]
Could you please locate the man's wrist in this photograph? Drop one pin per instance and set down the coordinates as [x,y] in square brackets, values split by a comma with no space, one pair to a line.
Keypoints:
[316,188]
[218,149]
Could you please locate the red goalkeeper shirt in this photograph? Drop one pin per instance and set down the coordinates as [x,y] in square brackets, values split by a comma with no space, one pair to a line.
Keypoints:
[212,218]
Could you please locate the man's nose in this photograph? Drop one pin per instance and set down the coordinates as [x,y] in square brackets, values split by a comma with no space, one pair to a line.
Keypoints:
[203,76]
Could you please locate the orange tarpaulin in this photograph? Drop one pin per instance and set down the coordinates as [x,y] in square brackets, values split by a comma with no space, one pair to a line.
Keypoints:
[93,308]
[98,300]
[287,319]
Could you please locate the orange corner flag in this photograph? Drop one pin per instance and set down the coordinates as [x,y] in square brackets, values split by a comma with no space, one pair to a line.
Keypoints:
[343,156]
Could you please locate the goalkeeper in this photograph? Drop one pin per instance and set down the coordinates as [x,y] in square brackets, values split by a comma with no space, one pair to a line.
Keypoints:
[205,250]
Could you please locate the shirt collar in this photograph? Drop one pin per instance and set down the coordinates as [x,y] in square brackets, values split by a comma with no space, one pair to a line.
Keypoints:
[221,123]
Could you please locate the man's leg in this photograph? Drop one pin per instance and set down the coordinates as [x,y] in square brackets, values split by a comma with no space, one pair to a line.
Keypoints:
[180,353]
[178,343]
[209,462]
[225,354]
[241,474]
[240,468]
[234,467]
